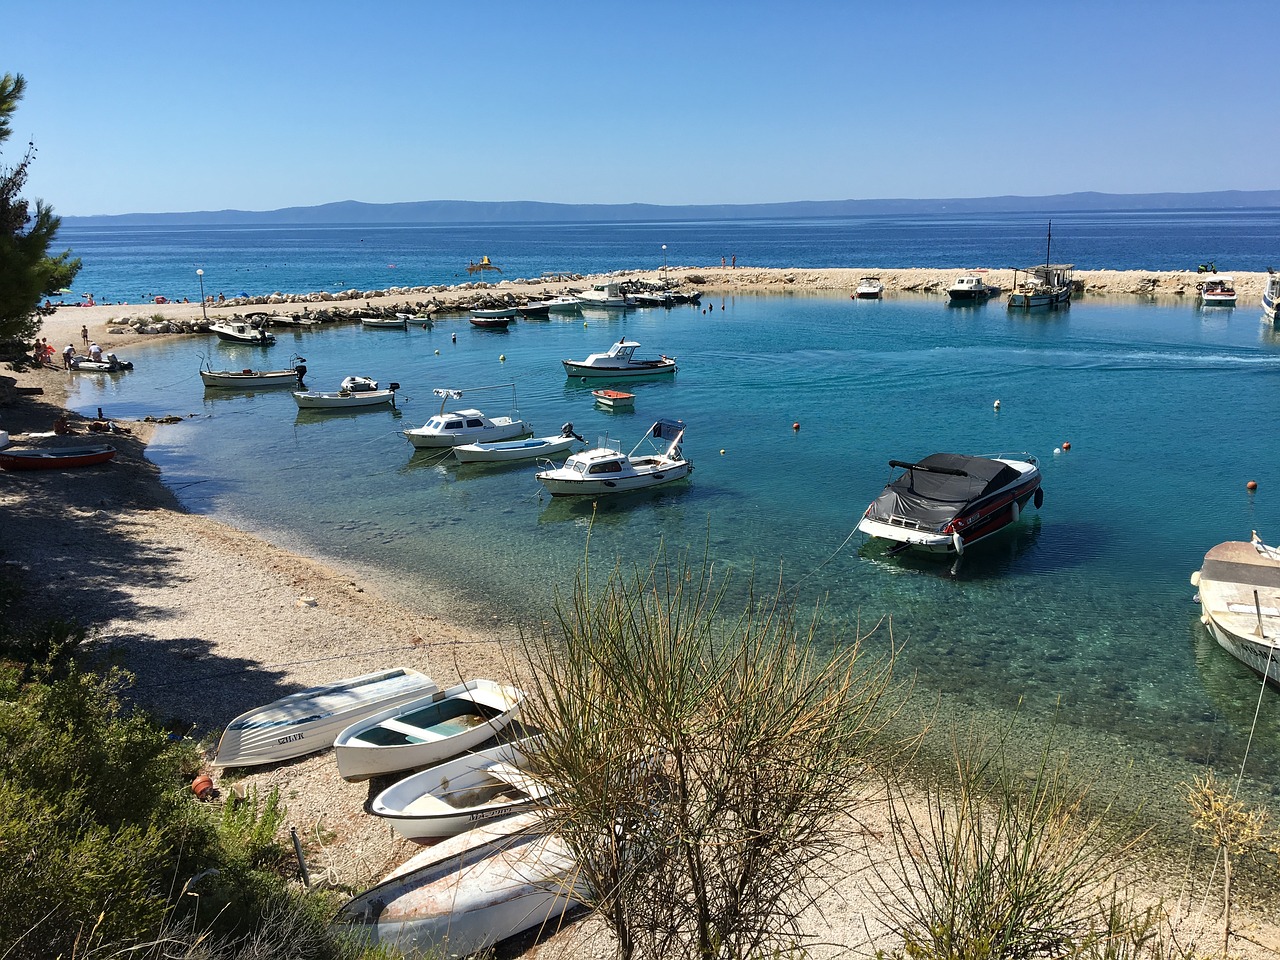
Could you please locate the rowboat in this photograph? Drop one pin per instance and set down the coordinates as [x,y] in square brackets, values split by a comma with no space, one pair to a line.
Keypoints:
[353,392]
[1239,595]
[504,450]
[615,399]
[248,379]
[426,730]
[468,892]
[310,720]
[499,320]
[55,458]
[458,794]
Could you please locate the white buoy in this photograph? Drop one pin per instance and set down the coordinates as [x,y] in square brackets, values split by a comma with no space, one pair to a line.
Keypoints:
[996,405]
[1057,451]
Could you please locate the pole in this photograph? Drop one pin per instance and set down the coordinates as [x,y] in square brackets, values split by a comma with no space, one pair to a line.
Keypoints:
[203,310]
[664,261]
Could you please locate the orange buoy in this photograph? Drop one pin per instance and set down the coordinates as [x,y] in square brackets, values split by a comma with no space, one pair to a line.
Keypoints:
[796,425]
[202,786]
[1066,445]
[1252,485]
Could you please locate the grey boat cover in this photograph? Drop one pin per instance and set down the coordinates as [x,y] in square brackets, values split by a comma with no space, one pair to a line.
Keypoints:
[931,499]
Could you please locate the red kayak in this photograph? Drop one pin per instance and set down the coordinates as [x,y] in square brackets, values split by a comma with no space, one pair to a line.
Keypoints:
[55,458]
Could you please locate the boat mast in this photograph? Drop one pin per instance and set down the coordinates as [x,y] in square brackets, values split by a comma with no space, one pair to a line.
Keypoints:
[1048,243]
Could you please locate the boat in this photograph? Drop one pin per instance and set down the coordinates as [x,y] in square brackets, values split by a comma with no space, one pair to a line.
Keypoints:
[108,363]
[423,319]
[1218,292]
[398,322]
[604,295]
[1271,294]
[563,304]
[310,720]
[468,892]
[535,310]
[458,427]
[947,502]
[619,361]
[54,458]
[248,379]
[459,794]
[1239,596]
[426,730]
[605,469]
[615,399]
[1042,286]
[490,323]
[501,451]
[869,288]
[495,313]
[352,392]
[233,331]
[971,288]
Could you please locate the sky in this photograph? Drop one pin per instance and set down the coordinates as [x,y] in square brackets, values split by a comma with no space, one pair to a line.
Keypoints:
[141,107]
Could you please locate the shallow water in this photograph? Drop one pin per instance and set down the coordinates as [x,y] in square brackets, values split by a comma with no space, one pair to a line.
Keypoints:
[1082,612]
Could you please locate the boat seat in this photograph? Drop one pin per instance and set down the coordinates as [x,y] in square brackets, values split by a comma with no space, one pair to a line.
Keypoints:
[409,730]
[1250,608]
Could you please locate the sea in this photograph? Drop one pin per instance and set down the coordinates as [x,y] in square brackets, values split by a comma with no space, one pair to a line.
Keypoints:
[1077,624]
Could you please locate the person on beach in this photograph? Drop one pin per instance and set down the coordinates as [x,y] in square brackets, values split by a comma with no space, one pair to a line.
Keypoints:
[733,262]
[95,352]
[84,335]
[68,352]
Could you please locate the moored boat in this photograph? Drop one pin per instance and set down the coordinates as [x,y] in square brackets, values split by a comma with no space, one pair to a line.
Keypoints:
[1271,294]
[234,331]
[615,399]
[530,448]
[604,295]
[605,469]
[619,361]
[426,730]
[1219,291]
[1239,596]
[249,379]
[457,427]
[869,288]
[353,392]
[310,720]
[397,322]
[54,458]
[563,304]
[535,310]
[1048,285]
[947,502]
[971,288]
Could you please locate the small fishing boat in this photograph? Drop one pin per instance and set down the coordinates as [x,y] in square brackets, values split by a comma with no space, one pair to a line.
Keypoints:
[458,794]
[352,392]
[54,458]
[234,331]
[947,502]
[869,288]
[248,379]
[1271,294]
[490,323]
[501,451]
[310,720]
[398,322]
[605,469]
[458,427]
[971,288]
[468,892]
[563,304]
[535,310]
[608,295]
[108,363]
[615,399]
[619,361]
[426,730]
[1042,286]
[1239,596]
[1218,292]
[421,319]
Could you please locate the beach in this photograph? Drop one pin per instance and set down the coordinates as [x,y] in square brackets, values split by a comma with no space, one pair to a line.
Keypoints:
[214,621]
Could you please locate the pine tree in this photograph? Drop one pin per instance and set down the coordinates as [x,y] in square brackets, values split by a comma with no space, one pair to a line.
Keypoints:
[27,272]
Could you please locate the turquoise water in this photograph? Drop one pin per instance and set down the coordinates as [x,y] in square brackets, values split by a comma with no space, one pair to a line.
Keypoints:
[1082,611]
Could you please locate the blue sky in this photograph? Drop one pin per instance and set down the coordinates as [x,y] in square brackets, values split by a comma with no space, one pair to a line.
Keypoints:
[146,107]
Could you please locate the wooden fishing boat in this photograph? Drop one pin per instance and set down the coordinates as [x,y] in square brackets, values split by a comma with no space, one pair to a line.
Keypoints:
[1239,595]
[55,458]
[352,392]
[426,730]
[249,379]
[615,399]
[310,720]
[458,794]
[619,361]
[606,469]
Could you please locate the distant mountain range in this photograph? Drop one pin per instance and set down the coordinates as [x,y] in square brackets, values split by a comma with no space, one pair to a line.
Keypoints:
[531,211]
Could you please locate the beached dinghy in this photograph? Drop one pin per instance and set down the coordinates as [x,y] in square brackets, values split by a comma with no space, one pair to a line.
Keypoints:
[468,892]
[426,730]
[458,794]
[310,720]
[54,458]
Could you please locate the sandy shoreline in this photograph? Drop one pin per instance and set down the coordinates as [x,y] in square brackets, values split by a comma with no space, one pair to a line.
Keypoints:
[214,620]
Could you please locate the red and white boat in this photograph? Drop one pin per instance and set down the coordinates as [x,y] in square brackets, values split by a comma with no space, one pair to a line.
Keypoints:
[615,399]
[947,502]
[55,458]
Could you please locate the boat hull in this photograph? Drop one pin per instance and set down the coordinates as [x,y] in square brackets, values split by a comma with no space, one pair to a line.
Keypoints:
[614,399]
[1019,300]
[240,380]
[55,458]
[502,451]
[383,323]
[1271,297]
[1239,591]
[645,368]
[315,400]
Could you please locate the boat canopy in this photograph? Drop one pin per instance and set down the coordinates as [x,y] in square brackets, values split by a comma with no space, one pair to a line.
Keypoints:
[933,491]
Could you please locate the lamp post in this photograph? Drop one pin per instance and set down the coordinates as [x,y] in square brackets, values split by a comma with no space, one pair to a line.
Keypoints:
[203,311]
[664,261]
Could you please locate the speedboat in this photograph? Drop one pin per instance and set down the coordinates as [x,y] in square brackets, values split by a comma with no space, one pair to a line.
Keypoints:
[352,392]
[1218,292]
[234,331]
[458,427]
[970,288]
[108,363]
[619,361]
[1271,294]
[248,379]
[947,502]
[310,720]
[426,730]
[468,892]
[54,458]
[606,469]
[604,295]
[869,288]
[563,304]
[461,793]
[530,448]
[1239,597]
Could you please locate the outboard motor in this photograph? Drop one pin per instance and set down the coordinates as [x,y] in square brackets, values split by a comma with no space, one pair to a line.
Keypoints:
[300,371]
[567,431]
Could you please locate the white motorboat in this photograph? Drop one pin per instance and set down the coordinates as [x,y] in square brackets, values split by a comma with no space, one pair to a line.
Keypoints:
[426,730]
[495,313]
[563,304]
[947,502]
[310,720]
[353,392]
[971,288]
[1220,291]
[619,361]
[1042,286]
[248,379]
[468,892]
[1239,595]
[458,427]
[869,288]
[606,469]
[1271,294]
[604,295]
[530,448]
[235,331]
[398,322]
[108,363]
[459,794]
